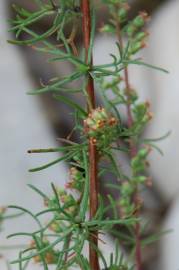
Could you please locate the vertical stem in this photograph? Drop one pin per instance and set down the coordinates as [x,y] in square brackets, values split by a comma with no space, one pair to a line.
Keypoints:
[133,152]
[86,23]
[138,247]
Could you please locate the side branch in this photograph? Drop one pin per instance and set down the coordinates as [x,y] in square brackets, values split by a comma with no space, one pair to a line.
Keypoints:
[133,153]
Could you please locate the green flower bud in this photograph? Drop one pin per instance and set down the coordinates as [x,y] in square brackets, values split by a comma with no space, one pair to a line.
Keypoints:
[61,191]
[55,227]
[141,36]
[140,179]
[146,119]
[126,189]
[78,219]
[129,210]
[137,46]
[130,30]
[107,28]
[124,201]
[132,94]
[135,162]
[112,83]
[140,20]
[142,154]
[90,122]
[122,14]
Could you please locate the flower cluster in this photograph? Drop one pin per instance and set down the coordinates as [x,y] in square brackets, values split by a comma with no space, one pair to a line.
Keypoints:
[50,257]
[141,116]
[136,24]
[122,15]
[125,202]
[101,126]
[128,188]
[76,180]
[65,199]
[135,33]
[139,162]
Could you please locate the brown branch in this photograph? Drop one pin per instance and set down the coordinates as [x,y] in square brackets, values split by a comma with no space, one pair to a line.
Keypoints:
[86,23]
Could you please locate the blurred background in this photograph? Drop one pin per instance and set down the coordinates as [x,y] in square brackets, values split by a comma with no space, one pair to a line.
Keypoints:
[36,121]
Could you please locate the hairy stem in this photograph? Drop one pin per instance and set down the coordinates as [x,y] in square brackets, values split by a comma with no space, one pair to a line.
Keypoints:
[133,152]
[86,22]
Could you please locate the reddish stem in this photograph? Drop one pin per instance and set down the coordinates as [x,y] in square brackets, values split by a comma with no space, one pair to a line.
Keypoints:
[86,23]
[133,152]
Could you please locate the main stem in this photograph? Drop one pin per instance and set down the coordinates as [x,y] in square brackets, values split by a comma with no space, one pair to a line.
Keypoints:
[86,22]
[133,153]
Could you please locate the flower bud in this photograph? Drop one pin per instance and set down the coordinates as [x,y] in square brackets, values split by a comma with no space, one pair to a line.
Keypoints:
[140,179]
[140,20]
[141,36]
[126,189]
[137,46]
[122,13]
[130,30]
[143,153]
[50,258]
[107,28]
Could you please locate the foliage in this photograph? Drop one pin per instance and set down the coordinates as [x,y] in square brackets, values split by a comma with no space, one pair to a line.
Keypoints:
[62,240]
[4,215]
